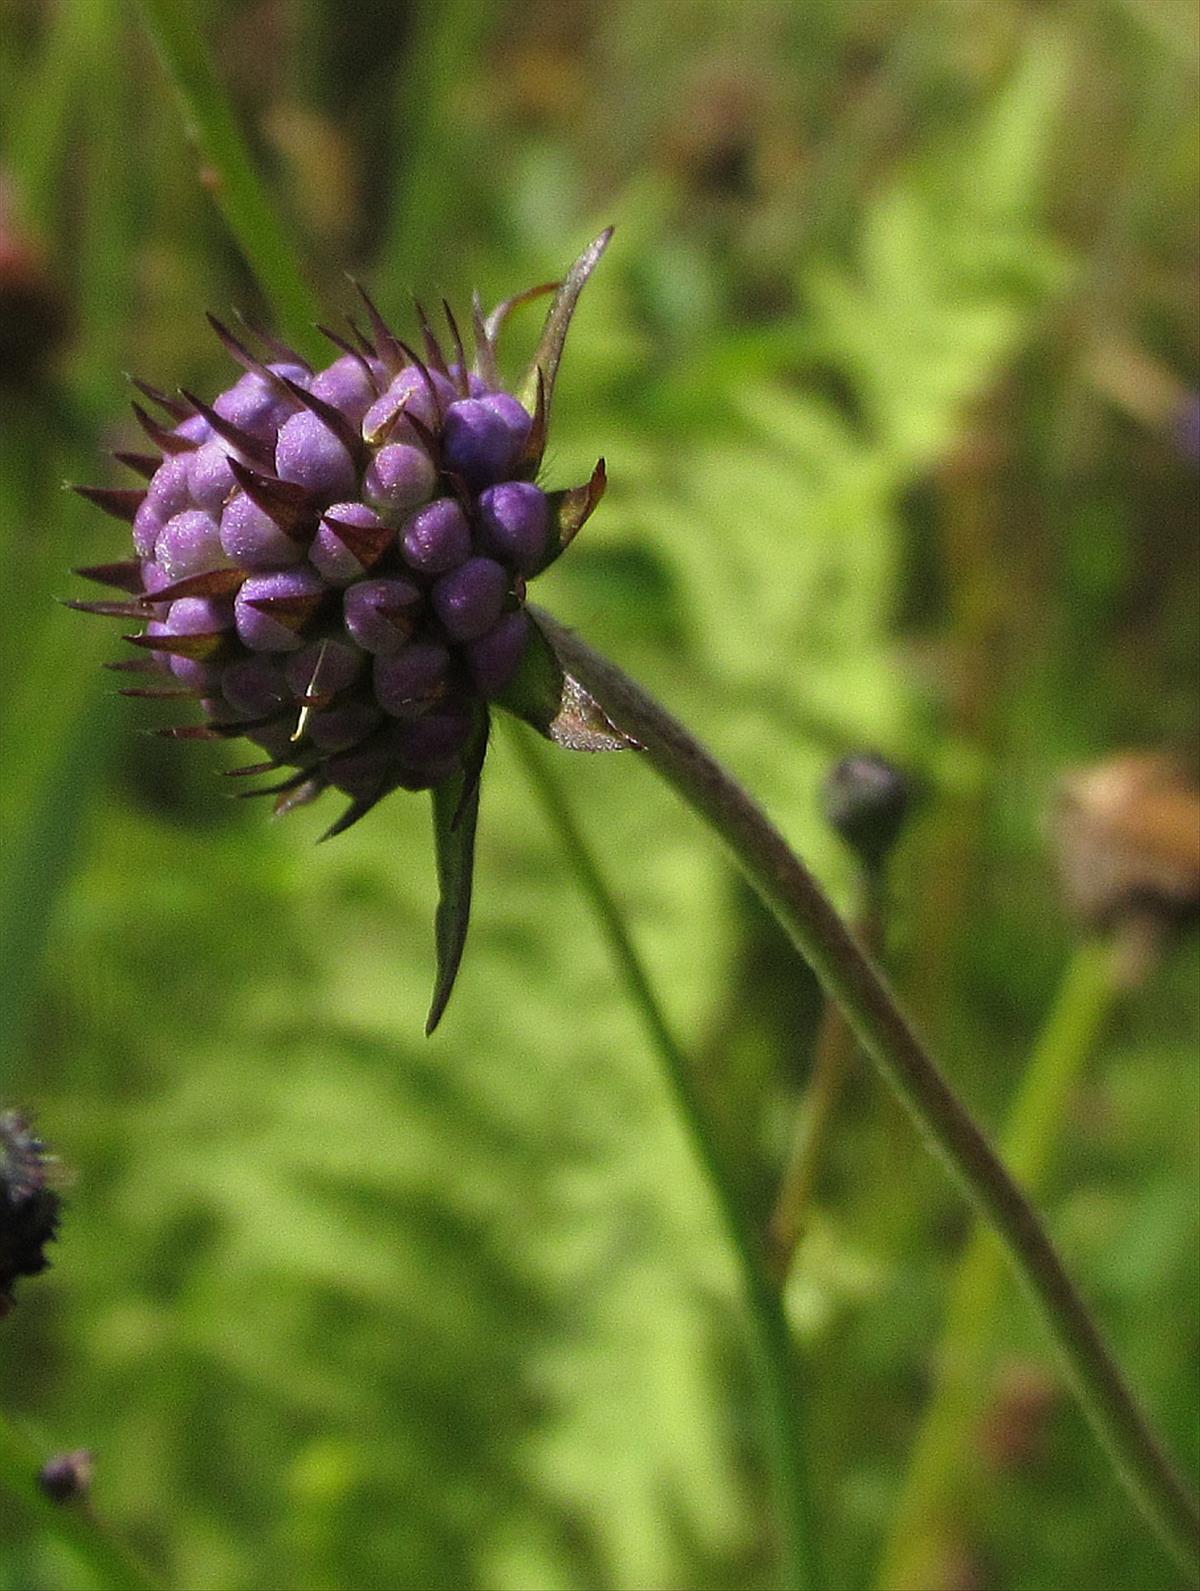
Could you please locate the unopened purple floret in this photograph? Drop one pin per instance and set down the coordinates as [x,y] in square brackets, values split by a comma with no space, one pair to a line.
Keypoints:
[210,479]
[197,616]
[343,725]
[255,687]
[398,478]
[515,518]
[477,442]
[295,592]
[322,668]
[492,660]
[437,537]
[189,544]
[408,680]
[470,598]
[308,454]
[347,384]
[379,614]
[329,552]
[433,743]
[260,407]
[252,539]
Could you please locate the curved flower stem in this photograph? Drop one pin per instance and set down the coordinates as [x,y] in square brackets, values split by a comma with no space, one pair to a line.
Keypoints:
[1085,1001]
[801,907]
[110,1565]
[782,1396]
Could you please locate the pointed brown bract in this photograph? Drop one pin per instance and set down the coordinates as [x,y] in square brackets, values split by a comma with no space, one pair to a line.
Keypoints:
[252,450]
[132,665]
[299,795]
[570,511]
[159,435]
[291,506]
[172,407]
[351,352]
[252,770]
[200,647]
[356,810]
[292,612]
[283,351]
[494,323]
[164,693]
[239,353]
[485,348]
[124,576]
[143,464]
[388,345]
[367,543]
[119,501]
[434,356]
[460,356]
[348,435]
[212,583]
[554,334]
[107,610]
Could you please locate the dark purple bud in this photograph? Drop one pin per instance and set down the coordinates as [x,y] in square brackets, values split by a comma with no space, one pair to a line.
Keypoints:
[477,442]
[294,592]
[379,614]
[398,478]
[252,538]
[437,537]
[29,1206]
[309,454]
[512,414]
[254,687]
[336,553]
[67,1477]
[515,519]
[493,658]
[210,480]
[408,680]
[410,393]
[365,771]
[866,799]
[189,544]
[340,727]
[347,385]
[470,598]
[323,668]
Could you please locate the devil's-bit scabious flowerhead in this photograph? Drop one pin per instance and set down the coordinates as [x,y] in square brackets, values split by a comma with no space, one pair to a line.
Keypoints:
[333,562]
[29,1204]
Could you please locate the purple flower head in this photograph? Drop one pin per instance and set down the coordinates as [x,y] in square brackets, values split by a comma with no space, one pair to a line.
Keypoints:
[334,560]
[29,1204]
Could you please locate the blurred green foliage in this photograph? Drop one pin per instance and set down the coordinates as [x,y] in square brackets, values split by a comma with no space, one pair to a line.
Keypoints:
[886,361]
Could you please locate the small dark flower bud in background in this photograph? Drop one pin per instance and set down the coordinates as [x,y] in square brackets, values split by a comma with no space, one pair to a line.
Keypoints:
[67,1477]
[29,1205]
[866,799]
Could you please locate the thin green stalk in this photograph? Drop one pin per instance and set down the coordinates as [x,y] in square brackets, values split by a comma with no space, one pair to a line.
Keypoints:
[805,913]
[1085,1001]
[110,1565]
[782,1395]
[235,184]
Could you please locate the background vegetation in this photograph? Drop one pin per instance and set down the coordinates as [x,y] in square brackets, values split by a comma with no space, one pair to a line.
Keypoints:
[892,362]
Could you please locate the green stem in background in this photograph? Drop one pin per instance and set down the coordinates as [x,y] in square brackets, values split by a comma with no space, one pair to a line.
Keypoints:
[236,187]
[1089,992]
[111,1566]
[782,1395]
[803,910]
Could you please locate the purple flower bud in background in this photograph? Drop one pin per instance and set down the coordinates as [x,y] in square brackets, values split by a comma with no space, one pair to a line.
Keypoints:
[866,800]
[436,538]
[29,1205]
[67,1477]
[470,598]
[516,519]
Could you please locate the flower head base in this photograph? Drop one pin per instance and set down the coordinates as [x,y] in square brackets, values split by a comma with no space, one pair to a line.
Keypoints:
[29,1205]
[333,562]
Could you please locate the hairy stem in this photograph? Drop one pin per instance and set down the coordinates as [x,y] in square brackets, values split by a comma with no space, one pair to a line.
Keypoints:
[782,1396]
[805,913]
